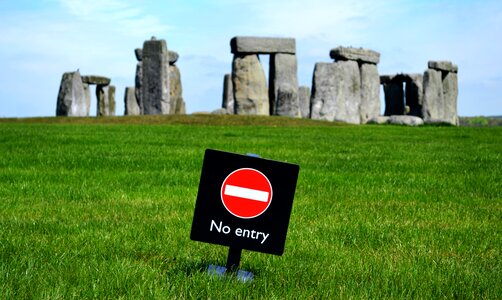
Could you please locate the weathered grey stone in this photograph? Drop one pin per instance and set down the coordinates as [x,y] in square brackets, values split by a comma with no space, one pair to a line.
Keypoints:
[324,89]
[250,86]
[105,95]
[94,79]
[433,101]
[72,100]
[450,95]
[155,79]
[87,97]
[283,87]
[219,111]
[442,65]
[175,90]
[379,120]
[304,98]
[180,107]
[228,94]
[262,45]
[130,102]
[370,92]
[406,120]
[336,92]
[414,94]
[138,83]
[394,98]
[139,54]
[173,57]
[357,54]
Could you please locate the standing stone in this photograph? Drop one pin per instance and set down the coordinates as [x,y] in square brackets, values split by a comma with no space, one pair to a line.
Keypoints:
[87,97]
[228,94]
[324,88]
[450,95]
[414,94]
[304,97]
[250,86]
[138,84]
[349,97]
[130,102]
[336,92]
[394,94]
[370,92]
[155,78]
[106,100]
[433,106]
[175,90]
[71,97]
[283,88]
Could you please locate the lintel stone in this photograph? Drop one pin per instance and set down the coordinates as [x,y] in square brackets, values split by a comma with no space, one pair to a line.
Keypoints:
[357,54]
[262,45]
[94,79]
[442,65]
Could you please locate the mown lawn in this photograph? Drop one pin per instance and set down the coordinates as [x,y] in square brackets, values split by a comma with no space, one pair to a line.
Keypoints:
[102,208]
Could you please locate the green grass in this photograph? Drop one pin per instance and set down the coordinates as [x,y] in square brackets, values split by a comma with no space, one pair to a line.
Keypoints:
[102,208]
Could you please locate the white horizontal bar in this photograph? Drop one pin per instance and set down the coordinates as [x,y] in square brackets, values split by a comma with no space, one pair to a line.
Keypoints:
[250,194]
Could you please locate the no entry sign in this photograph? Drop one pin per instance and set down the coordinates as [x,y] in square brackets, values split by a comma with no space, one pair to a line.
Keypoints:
[244,202]
[246,193]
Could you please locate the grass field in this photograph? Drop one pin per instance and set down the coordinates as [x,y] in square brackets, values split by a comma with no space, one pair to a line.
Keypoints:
[102,208]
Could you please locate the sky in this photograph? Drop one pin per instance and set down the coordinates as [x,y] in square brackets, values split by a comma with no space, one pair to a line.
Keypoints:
[42,39]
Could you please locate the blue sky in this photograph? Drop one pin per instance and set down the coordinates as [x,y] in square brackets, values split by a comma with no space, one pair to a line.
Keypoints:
[40,40]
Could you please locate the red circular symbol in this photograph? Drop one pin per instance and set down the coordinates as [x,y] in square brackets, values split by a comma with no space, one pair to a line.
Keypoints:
[246,193]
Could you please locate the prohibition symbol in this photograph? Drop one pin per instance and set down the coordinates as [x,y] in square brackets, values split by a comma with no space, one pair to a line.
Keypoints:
[246,193]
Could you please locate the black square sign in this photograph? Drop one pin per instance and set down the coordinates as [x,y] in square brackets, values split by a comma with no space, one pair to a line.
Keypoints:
[244,202]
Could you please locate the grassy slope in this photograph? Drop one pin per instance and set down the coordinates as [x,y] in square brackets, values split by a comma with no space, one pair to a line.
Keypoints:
[92,208]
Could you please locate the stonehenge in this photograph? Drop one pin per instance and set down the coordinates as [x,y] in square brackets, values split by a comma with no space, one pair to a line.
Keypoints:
[248,92]
[74,97]
[347,90]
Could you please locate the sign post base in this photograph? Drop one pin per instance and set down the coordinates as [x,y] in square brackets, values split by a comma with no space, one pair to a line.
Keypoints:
[220,271]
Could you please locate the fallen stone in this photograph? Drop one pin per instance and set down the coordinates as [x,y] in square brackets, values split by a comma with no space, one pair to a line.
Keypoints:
[442,65]
[94,79]
[139,54]
[130,102]
[155,79]
[406,120]
[173,57]
[379,120]
[262,45]
[304,98]
[228,94]
[105,95]
[72,100]
[357,54]
[370,92]
[250,86]
[283,88]
[219,111]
